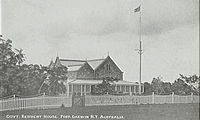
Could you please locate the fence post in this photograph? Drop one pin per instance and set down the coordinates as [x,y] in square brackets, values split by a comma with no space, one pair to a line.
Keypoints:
[14,102]
[172,97]
[191,97]
[43,100]
[73,99]
[67,90]
[153,98]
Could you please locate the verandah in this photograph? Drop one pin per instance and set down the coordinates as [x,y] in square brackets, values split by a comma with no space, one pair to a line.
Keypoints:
[86,89]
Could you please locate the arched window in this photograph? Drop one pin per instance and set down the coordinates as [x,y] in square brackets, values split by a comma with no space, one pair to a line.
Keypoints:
[108,67]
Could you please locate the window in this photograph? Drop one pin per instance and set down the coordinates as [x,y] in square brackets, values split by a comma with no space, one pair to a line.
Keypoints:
[142,88]
[137,88]
[70,88]
[108,67]
[97,74]
[132,88]
[123,88]
[74,88]
[83,90]
[87,88]
[118,88]
[78,88]
[127,88]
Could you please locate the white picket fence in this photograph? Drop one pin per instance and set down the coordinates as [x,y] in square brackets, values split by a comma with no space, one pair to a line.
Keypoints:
[43,102]
[150,99]
[116,100]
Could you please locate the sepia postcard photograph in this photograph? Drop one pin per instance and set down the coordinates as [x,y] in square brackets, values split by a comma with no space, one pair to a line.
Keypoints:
[99,60]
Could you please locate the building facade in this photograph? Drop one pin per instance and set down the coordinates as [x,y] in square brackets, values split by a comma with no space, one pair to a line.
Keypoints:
[83,75]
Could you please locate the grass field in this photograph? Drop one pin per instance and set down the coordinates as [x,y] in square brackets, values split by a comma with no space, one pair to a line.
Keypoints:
[121,112]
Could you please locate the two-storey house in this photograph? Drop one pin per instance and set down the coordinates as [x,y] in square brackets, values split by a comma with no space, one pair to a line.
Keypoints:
[83,75]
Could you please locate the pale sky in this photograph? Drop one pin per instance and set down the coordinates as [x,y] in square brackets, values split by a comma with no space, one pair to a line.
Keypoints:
[80,29]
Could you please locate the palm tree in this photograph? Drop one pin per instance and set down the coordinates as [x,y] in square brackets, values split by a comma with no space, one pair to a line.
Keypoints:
[19,56]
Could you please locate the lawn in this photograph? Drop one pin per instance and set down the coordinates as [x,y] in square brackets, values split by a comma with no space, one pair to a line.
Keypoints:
[121,112]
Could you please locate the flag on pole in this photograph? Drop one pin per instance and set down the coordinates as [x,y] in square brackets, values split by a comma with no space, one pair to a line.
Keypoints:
[137,9]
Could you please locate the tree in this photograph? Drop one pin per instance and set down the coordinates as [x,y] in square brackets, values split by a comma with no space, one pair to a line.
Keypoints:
[167,86]
[157,85]
[54,82]
[22,79]
[30,77]
[192,80]
[147,88]
[105,87]
[179,87]
[10,61]
[8,56]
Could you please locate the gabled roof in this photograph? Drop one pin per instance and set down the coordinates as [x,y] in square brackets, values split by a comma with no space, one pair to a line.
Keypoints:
[95,63]
[57,62]
[74,67]
[108,58]
[51,65]
[69,63]
[76,64]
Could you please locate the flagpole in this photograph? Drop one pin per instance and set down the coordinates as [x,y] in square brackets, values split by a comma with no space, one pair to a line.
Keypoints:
[0,18]
[140,51]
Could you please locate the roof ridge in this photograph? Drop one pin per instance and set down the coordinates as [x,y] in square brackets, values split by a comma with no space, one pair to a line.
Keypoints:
[75,65]
[94,60]
[73,60]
